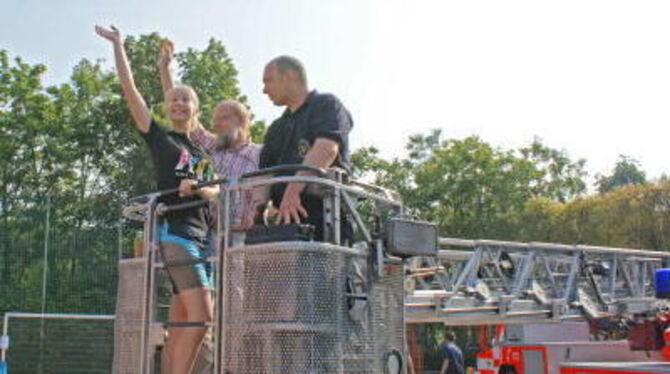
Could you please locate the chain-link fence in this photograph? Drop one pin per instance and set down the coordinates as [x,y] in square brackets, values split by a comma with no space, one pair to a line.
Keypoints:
[50,265]
[60,343]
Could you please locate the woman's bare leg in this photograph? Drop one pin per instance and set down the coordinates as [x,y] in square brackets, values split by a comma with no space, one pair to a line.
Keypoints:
[177,313]
[198,306]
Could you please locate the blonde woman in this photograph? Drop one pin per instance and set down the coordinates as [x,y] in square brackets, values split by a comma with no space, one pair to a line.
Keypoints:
[178,163]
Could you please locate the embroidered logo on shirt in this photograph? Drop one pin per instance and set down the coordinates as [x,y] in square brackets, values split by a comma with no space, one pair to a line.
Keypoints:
[303,147]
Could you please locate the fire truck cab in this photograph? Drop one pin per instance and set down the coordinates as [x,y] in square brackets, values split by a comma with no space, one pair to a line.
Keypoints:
[544,348]
[615,368]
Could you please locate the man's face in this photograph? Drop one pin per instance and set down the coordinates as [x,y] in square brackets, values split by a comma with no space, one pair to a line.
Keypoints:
[227,125]
[225,119]
[274,85]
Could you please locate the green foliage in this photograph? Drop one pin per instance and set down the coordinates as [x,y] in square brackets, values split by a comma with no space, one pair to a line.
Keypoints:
[473,190]
[470,188]
[73,147]
[142,54]
[536,193]
[257,131]
[626,172]
[561,178]
[636,216]
[213,75]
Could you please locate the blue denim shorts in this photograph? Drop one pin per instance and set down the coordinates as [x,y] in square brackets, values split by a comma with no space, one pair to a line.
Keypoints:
[185,259]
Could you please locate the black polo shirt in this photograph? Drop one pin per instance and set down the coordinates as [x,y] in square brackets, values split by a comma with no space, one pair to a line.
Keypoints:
[291,136]
[175,158]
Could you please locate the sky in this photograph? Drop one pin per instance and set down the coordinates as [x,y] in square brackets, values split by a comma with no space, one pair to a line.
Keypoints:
[589,77]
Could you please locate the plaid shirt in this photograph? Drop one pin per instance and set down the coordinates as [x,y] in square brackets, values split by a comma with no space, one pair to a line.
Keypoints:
[231,164]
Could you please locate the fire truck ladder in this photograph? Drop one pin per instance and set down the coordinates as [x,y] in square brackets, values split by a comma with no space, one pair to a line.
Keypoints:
[476,282]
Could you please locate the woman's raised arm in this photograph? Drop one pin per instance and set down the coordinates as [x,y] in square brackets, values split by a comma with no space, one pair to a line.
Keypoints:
[138,108]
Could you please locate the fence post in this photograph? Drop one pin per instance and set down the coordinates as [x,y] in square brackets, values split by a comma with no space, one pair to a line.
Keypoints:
[45,269]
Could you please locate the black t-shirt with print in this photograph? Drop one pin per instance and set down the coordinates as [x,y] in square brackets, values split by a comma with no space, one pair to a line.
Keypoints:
[291,136]
[175,158]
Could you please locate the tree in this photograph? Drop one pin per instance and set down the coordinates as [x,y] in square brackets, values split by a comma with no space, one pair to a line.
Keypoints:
[74,146]
[634,216]
[626,172]
[562,179]
[470,188]
[213,75]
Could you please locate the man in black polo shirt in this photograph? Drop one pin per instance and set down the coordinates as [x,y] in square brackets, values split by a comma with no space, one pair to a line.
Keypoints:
[314,130]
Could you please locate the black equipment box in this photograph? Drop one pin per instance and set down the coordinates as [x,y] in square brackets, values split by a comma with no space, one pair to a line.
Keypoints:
[405,237]
[279,233]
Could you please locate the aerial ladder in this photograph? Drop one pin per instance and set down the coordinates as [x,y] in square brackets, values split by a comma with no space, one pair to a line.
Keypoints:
[303,306]
[548,304]
[475,282]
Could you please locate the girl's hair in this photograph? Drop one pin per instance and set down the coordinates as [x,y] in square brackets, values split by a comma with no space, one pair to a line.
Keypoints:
[194,98]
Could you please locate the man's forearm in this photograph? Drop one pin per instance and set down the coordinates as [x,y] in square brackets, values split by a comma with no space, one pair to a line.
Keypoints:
[204,138]
[322,155]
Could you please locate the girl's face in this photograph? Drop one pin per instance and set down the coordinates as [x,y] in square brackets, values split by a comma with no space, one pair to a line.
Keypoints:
[181,109]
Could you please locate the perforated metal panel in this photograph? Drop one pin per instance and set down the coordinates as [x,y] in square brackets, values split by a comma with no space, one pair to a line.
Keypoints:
[290,309]
[128,325]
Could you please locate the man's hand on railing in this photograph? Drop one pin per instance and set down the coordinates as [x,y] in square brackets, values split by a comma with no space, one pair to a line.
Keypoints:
[291,209]
[249,219]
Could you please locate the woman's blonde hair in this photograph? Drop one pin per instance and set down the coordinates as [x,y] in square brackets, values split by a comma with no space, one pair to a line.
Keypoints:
[192,96]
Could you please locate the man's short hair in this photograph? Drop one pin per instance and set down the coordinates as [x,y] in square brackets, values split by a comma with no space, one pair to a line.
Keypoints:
[285,63]
[450,336]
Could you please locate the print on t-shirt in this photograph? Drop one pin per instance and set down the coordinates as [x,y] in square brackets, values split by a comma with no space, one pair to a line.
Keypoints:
[202,168]
[193,167]
[183,162]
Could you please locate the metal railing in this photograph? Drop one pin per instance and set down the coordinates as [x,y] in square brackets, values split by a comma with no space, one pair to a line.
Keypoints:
[468,282]
[330,185]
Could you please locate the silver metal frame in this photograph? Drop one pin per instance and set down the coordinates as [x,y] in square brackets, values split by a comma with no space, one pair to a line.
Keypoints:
[466,284]
[150,212]
[469,282]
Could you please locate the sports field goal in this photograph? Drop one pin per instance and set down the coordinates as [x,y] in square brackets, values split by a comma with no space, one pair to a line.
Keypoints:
[37,343]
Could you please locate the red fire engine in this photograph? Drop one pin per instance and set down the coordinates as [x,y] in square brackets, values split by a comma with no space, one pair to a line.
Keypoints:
[564,348]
